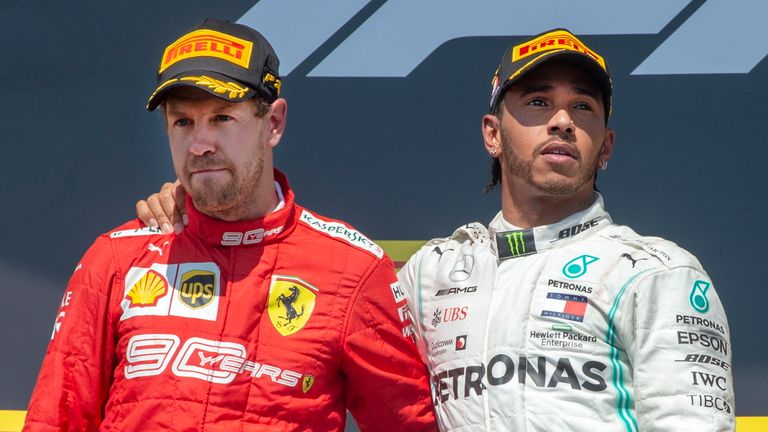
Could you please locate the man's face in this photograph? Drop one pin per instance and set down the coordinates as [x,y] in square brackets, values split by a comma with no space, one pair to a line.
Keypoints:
[551,131]
[220,149]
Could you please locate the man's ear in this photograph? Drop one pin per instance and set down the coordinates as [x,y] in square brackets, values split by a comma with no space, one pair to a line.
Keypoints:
[607,150]
[277,115]
[491,128]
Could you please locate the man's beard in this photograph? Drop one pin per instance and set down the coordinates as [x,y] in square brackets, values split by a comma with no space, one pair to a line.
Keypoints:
[521,169]
[211,195]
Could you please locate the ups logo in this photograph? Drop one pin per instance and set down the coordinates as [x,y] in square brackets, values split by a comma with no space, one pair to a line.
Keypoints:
[197,288]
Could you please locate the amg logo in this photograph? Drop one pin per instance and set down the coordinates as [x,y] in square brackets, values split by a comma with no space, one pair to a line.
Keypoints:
[456,290]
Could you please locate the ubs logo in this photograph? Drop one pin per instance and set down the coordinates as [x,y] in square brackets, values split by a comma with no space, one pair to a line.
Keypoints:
[449,314]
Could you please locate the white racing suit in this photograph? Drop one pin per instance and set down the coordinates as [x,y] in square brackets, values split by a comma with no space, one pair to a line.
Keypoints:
[582,325]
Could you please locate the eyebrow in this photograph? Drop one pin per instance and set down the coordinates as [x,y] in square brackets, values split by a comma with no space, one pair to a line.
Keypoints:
[544,88]
[171,110]
[536,89]
[586,91]
[220,108]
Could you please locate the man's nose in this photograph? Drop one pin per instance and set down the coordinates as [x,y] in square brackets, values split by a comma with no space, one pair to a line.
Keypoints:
[561,123]
[204,140]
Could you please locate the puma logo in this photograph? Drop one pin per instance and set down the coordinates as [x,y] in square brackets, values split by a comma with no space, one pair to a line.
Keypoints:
[634,261]
[159,250]
[440,252]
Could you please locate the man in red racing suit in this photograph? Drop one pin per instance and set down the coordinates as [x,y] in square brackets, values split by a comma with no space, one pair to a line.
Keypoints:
[284,321]
[281,322]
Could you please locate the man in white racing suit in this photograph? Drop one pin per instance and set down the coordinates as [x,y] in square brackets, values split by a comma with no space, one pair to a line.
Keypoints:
[554,318]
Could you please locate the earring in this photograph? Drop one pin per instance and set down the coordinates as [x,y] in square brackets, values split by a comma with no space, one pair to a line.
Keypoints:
[604,165]
[493,151]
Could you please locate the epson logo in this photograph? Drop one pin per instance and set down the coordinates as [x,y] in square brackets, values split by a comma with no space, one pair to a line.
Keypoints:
[462,382]
[231,238]
[456,290]
[702,339]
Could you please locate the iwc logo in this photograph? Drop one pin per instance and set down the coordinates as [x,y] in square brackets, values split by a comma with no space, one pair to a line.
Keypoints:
[291,302]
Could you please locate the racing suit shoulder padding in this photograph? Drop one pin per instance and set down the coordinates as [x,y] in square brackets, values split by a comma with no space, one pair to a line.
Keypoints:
[666,252]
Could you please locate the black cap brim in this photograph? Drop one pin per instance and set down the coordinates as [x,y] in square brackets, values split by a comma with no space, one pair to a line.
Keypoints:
[216,84]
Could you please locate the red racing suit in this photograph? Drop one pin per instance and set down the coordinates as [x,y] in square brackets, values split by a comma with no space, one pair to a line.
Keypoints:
[280,323]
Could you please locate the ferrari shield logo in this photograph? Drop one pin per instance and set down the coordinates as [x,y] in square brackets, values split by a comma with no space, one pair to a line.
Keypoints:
[291,302]
[306,383]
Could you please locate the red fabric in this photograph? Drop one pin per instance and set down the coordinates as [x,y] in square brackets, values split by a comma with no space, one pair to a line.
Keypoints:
[575,308]
[106,369]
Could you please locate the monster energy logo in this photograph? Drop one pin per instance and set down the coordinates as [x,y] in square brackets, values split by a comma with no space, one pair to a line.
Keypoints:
[516,243]
[513,244]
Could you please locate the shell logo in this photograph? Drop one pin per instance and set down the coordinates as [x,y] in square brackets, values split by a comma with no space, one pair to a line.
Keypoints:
[147,290]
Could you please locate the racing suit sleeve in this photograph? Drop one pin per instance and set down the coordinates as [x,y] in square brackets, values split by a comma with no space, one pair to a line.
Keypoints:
[406,277]
[386,383]
[680,353]
[73,383]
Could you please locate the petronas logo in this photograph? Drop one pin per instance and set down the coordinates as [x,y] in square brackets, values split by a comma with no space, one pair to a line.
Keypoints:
[577,267]
[516,243]
[698,297]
